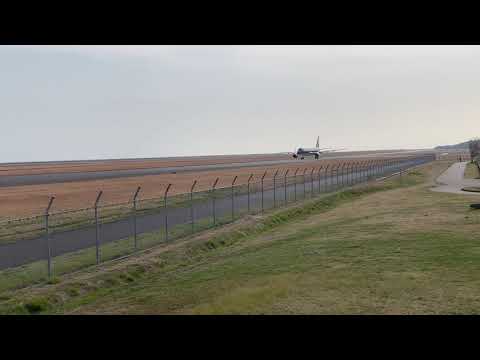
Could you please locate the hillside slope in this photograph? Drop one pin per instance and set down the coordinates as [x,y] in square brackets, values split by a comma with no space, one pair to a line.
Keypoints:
[393,247]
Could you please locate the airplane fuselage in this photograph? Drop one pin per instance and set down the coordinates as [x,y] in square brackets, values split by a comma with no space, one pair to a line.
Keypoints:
[302,152]
[316,151]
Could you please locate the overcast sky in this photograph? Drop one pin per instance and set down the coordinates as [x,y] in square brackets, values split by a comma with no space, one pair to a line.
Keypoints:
[87,102]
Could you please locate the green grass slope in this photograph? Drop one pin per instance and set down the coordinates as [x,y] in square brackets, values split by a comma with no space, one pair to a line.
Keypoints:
[390,248]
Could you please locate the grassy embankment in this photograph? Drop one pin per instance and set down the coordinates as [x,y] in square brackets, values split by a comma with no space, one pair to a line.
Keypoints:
[394,247]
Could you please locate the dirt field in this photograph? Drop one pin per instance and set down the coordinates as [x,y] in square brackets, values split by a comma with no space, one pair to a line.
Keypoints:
[22,201]
[130,164]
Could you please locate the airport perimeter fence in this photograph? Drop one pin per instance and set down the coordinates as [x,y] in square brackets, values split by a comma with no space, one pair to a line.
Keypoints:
[83,237]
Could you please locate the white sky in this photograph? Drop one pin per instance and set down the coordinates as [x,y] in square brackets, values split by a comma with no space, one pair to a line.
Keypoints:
[87,102]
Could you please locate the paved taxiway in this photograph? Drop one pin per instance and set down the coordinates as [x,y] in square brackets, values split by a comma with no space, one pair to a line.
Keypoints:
[40,179]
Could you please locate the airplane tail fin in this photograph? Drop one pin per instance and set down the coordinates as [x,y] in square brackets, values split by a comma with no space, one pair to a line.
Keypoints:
[318,142]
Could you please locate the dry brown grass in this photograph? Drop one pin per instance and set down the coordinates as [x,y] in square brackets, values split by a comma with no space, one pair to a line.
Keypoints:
[471,171]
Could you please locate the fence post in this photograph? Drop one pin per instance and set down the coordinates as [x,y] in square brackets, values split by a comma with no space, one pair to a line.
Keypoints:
[135,217]
[331,179]
[166,211]
[343,175]
[213,201]
[357,175]
[337,180]
[325,180]
[352,171]
[311,182]
[319,176]
[233,198]
[304,183]
[295,184]
[47,231]
[275,189]
[263,177]
[192,218]
[97,237]
[248,192]
[348,167]
[285,185]
[349,170]
[333,171]
[338,177]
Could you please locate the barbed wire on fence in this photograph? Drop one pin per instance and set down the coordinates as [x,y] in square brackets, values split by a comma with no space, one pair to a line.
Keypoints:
[110,227]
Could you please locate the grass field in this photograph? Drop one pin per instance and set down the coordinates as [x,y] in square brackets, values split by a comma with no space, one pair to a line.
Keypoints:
[471,171]
[392,248]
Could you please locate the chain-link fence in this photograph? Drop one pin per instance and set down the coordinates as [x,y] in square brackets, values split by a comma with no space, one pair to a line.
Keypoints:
[60,242]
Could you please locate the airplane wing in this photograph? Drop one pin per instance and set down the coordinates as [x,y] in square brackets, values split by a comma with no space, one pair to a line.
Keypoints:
[333,150]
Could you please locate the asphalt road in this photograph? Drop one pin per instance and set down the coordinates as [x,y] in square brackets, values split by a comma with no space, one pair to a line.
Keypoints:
[26,251]
[39,179]
[452,180]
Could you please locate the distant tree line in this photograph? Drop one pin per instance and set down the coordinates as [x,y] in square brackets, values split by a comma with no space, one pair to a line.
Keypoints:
[463,145]
[474,147]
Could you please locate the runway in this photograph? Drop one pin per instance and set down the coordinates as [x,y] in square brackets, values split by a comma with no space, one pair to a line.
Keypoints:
[65,177]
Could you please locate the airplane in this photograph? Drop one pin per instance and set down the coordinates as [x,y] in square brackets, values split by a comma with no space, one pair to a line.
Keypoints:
[316,151]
